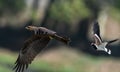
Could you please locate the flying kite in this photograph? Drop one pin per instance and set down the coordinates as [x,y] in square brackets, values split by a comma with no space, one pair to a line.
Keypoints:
[34,45]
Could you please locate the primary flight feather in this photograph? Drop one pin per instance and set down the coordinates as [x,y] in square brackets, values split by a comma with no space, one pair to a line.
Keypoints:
[34,45]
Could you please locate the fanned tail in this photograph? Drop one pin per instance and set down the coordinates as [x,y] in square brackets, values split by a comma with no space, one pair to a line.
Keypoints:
[62,39]
[109,51]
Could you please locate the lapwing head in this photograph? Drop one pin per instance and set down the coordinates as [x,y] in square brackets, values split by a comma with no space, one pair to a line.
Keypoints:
[94,46]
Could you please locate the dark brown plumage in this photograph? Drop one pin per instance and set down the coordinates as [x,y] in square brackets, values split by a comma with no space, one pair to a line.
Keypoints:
[34,45]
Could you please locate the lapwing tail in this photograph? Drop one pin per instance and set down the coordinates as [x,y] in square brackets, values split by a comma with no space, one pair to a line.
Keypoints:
[109,51]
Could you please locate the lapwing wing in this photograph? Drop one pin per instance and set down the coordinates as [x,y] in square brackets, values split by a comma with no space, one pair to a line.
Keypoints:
[99,45]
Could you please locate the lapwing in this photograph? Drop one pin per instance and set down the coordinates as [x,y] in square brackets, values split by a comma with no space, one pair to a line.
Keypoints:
[100,45]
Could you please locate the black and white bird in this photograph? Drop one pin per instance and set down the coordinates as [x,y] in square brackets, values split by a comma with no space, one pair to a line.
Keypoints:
[99,45]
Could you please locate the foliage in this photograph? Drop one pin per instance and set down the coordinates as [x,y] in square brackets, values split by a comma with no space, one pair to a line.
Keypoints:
[62,60]
[11,6]
[69,10]
[116,3]
[115,13]
[114,10]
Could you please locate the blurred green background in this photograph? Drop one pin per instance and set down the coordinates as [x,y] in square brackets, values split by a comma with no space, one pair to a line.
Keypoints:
[71,18]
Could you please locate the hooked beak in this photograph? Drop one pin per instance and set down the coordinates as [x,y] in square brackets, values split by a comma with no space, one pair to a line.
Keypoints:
[29,28]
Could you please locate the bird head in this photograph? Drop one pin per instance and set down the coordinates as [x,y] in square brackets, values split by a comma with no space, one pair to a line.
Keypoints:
[93,46]
[31,28]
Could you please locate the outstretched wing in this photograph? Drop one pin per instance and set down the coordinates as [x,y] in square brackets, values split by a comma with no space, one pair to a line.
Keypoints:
[30,50]
[112,41]
[96,28]
[96,31]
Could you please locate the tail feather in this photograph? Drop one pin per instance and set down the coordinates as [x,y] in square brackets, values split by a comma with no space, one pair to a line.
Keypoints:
[62,39]
[109,51]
